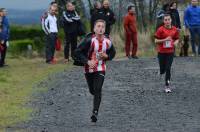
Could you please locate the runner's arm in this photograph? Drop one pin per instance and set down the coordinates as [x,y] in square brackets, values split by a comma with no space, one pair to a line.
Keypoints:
[111,52]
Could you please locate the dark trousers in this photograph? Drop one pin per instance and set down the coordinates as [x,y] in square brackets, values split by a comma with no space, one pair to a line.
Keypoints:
[95,82]
[50,46]
[195,32]
[3,54]
[185,46]
[165,63]
[71,41]
[131,38]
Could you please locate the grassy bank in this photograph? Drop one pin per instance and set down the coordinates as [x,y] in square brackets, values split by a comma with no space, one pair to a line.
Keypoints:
[16,87]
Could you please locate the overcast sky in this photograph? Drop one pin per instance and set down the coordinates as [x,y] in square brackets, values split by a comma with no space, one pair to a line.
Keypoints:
[25,4]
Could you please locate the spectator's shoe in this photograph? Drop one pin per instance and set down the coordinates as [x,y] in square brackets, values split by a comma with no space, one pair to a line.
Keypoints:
[168,89]
[94,116]
[66,61]
[51,62]
[134,57]
[129,57]
[194,55]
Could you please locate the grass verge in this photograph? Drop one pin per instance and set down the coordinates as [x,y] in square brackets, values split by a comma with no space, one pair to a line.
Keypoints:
[16,87]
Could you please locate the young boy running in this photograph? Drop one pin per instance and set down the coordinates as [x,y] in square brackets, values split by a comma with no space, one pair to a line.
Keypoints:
[166,37]
[93,52]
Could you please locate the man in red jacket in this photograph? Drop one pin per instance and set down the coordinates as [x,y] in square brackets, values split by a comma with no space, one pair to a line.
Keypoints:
[131,33]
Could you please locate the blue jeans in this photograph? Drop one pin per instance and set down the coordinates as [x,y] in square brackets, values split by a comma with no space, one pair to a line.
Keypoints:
[195,31]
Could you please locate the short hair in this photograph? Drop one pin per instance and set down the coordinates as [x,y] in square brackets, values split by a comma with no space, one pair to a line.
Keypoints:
[131,6]
[166,15]
[2,9]
[53,2]
[96,3]
[99,20]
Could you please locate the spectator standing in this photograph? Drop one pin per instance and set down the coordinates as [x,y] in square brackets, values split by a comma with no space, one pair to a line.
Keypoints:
[71,22]
[109,16]
[51,30]
[192,22]
[6,32]
[130,29]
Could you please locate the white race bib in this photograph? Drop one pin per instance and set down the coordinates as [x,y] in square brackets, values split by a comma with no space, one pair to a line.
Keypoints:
[168,44]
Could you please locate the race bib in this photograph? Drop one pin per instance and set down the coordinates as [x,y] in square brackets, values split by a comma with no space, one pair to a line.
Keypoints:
[98,55]
[168,44]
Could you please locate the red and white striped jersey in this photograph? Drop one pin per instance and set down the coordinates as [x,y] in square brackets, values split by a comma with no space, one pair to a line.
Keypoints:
[96,47]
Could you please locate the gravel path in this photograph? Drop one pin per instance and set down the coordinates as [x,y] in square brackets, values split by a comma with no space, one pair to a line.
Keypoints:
[133,100]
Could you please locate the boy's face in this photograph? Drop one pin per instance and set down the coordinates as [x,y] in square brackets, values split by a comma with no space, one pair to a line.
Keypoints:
[167,21]
[132,10]
[99,28]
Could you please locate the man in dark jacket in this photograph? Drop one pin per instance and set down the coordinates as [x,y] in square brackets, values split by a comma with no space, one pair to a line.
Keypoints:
[93,53]
[71,21]
[5,32]
[109,16]
[96,13]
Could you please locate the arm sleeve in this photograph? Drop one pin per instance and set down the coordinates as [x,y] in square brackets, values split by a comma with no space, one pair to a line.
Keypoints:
[126,27]
[66,19]
[158,34]
[111,52]
[46,26]
[113,19]
[5,28]
[178,21]
[186,18]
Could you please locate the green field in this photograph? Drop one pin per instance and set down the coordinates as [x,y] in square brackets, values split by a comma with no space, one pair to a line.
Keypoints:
[16,87]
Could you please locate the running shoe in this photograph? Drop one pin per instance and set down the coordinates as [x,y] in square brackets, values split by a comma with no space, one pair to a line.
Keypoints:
[168,89]
[94,116]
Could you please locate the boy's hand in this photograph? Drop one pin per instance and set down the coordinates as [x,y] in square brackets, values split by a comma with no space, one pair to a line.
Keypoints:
[91,63]
[103,56]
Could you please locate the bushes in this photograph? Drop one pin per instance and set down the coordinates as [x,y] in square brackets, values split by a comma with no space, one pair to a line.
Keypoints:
[22,36]
[26,47]
[19,47]
[25,32]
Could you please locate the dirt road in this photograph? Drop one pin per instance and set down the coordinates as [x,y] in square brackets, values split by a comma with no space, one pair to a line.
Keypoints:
[133,100]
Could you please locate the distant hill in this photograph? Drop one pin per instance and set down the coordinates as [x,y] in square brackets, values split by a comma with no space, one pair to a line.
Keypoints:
[24,17]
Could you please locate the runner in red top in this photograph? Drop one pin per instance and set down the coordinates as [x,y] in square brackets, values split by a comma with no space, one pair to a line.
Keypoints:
[166,38]
[93,52]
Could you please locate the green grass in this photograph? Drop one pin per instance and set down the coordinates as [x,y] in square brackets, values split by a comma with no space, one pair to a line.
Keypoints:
[16,87]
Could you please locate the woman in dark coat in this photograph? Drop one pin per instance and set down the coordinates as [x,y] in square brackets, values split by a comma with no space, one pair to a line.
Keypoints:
[175,15]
